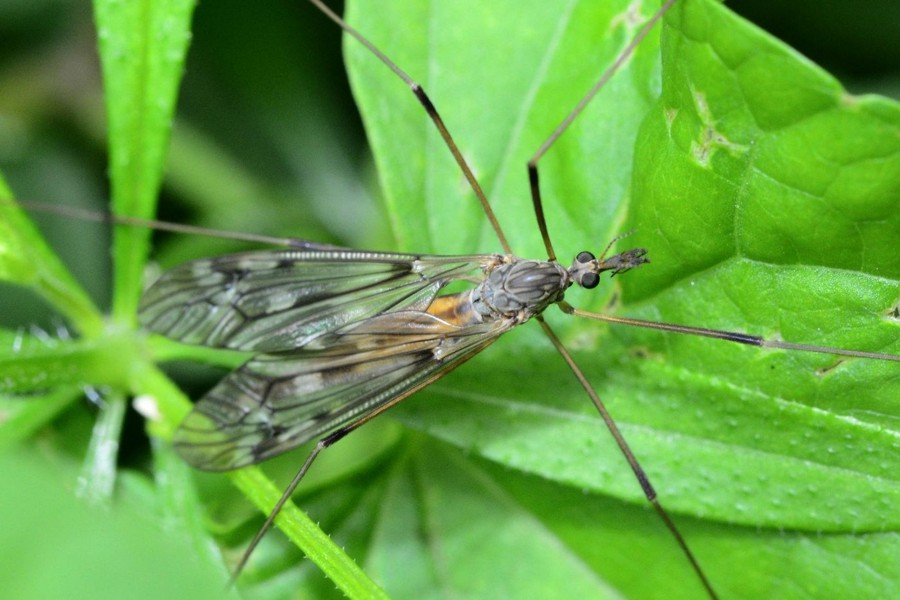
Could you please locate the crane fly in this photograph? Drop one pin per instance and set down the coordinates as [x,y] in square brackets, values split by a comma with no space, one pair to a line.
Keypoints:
[321,375]
[341,335]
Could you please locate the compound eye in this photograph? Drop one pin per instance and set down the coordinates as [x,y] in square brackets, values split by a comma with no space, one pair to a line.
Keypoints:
[584,257]
[589,280]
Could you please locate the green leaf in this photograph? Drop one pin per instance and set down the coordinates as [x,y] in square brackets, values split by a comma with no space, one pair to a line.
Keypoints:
[26,260]
[142,49]
[767,197]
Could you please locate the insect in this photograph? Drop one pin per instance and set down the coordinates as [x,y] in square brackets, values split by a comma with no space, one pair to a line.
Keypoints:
[169,310]
[710,385]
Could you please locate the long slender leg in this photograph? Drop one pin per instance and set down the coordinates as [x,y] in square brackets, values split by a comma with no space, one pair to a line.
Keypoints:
[533,179]
[100,217]
[433,114]
[285,496]
[646,486]
[534,182]
[322,444]
[728,336]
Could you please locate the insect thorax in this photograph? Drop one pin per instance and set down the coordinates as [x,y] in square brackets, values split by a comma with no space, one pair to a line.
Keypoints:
[521,288]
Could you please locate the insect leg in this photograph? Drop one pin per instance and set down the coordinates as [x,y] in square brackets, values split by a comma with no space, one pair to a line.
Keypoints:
[533,179]
[728,336]
[534,182]
[433,114]
[285,496]
[322,444]
[639,473]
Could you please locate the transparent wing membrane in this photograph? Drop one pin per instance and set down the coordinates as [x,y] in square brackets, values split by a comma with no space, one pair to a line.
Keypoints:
[281,300]
[275,402]
[343,335]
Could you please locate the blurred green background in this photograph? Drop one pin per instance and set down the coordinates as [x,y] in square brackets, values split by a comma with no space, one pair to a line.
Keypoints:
[266,138]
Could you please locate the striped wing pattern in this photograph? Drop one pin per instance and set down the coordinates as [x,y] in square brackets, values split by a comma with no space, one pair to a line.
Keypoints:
[341,335]
[280,300]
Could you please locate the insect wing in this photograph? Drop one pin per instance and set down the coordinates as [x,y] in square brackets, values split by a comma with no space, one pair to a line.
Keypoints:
[275,402]
[274,301]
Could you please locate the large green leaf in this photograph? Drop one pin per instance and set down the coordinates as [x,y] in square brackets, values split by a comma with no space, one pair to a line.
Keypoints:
[767,197]
[142,47]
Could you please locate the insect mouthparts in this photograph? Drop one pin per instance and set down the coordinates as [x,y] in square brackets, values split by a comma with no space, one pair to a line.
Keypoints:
[586,269]
[624,261]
